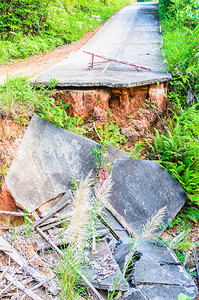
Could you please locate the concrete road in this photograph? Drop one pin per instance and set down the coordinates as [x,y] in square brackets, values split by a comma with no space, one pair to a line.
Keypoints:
[132,34]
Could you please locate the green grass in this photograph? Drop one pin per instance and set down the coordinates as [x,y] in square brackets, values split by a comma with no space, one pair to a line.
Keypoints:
[19,100]
[180,25]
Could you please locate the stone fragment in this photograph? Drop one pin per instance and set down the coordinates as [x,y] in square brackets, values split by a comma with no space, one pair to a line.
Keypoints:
[129,133]
[102,270]
[159,275]
[48,159]
[122,252]
[140,189]
[116,227]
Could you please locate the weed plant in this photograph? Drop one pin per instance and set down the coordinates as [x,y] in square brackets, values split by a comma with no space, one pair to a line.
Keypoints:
[68,274]
[109,134]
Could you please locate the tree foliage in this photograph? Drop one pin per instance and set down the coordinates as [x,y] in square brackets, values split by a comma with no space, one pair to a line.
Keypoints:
[21,16]
[31,26]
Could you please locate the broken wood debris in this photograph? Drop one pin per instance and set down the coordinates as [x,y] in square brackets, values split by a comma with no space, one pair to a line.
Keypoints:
[88,283]
[64,201]
[101,270]
[20,286]
[13,213]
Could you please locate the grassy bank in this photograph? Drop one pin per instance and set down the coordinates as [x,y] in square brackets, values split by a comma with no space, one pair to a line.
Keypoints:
[30,27]
[177,149]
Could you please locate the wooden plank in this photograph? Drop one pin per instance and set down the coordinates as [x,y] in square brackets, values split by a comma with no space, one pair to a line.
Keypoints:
[5,271]
[22,262]
[13,213]
[65,200]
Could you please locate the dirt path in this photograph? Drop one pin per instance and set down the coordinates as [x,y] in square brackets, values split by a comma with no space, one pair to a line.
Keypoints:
[35,64]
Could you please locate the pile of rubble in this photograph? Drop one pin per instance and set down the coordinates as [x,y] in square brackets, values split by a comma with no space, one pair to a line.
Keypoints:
[117,259]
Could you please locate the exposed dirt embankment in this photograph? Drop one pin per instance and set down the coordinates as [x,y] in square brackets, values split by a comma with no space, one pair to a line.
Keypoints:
[11,135]
[135,109]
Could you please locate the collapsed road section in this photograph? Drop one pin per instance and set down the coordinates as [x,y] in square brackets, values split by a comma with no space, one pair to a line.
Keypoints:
[116,88]
[131,198]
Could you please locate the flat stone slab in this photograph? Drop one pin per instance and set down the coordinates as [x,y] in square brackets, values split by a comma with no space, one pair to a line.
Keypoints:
[132,34]
[48,159]
[134,294]
[140,189]
[102,270]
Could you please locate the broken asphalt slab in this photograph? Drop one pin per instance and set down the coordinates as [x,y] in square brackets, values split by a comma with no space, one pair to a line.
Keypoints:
[140,189]
[50,158]
[160,265]
[157,273]
[47,161]
[133,34]
[159,292]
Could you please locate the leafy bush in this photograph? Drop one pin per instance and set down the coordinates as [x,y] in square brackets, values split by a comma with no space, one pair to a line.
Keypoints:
[178,150]
[21,15]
